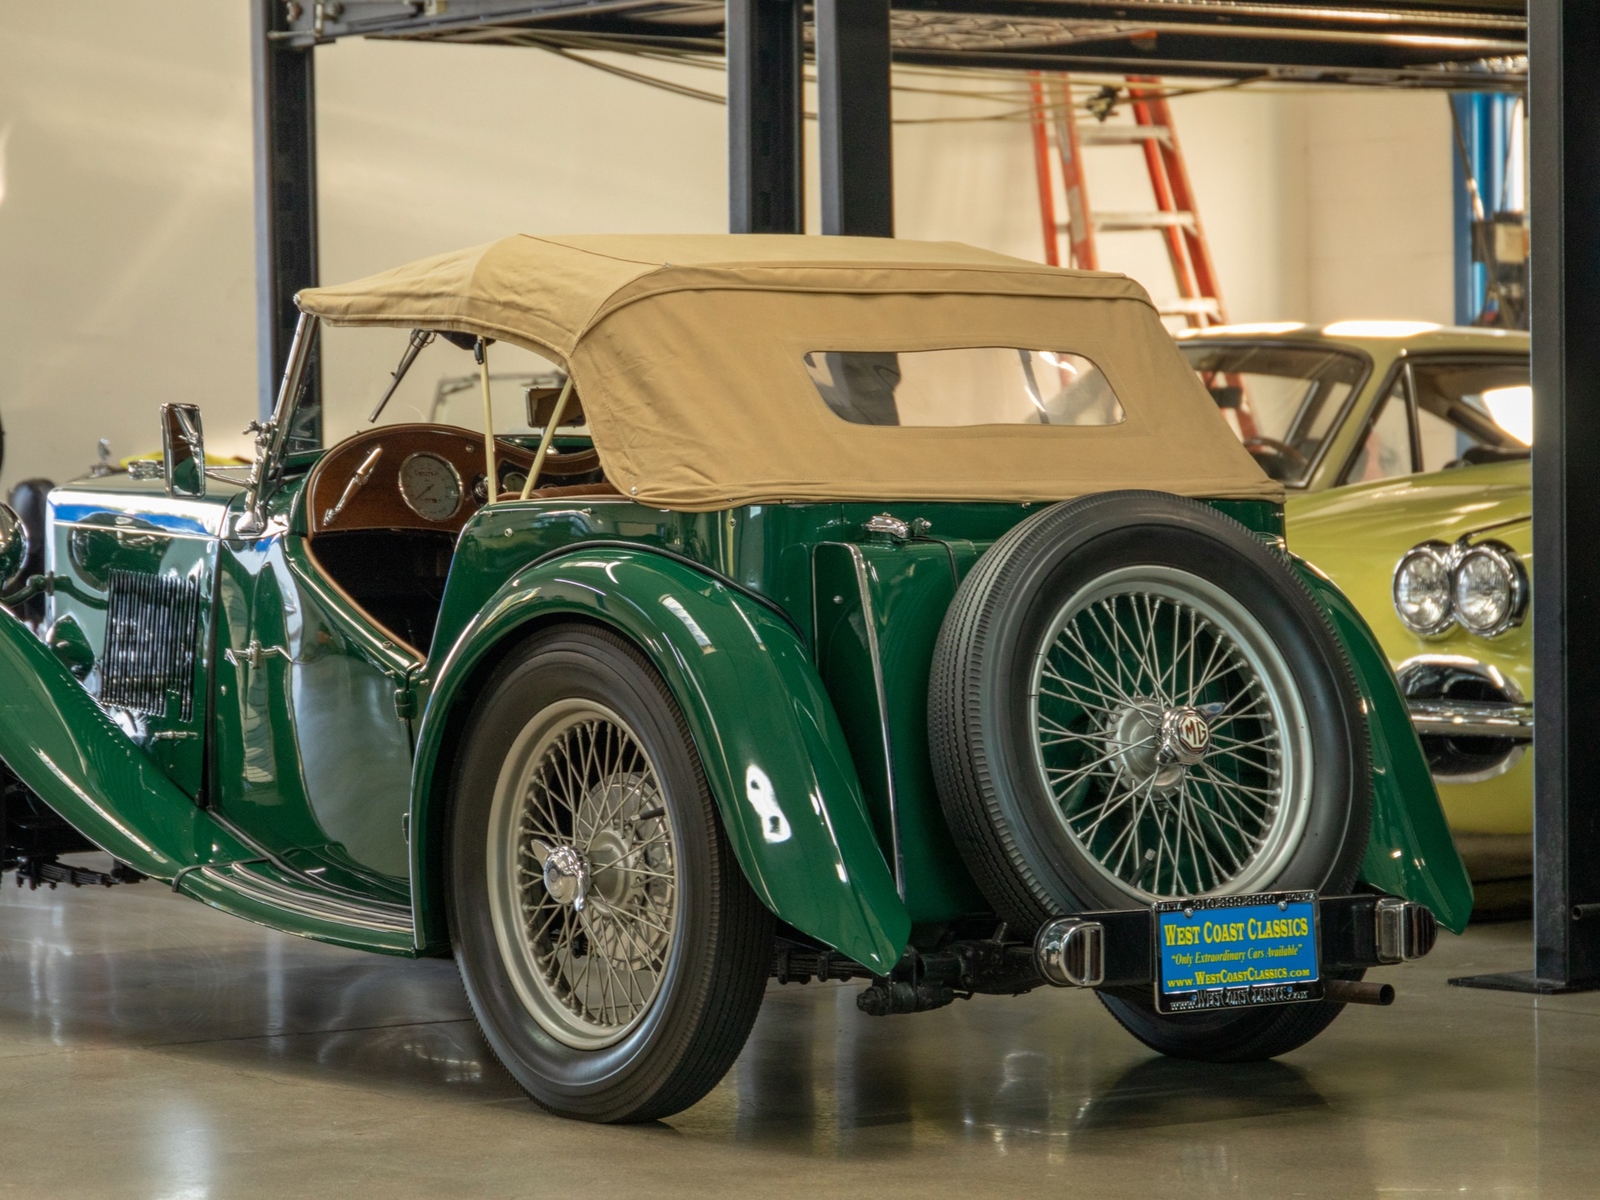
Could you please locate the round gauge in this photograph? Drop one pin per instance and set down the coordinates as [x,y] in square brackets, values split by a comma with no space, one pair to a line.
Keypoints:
[430,487]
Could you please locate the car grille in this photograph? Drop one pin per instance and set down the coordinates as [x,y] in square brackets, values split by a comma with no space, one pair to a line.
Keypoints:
[152,622]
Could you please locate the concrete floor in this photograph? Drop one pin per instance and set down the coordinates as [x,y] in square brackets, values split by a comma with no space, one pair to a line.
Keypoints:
[151,1047]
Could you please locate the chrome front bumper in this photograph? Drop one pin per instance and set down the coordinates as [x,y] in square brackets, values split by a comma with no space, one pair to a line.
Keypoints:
[1468,718]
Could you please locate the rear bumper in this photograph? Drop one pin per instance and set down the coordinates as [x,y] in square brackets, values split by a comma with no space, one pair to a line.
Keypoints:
[1112,950]
[1467,718]
[1117,949]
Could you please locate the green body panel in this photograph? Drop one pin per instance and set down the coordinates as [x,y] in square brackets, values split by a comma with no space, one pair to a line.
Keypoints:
[58,740]
[166,805]
[773,753]
[890,600]
[1258,516]
[768,549]
[1410,852]
[313,758]
[1356,536]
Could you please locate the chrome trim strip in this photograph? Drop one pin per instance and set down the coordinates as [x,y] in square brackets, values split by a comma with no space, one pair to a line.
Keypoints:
[158,511]
[1460,662]
[374,915]
[161,533]
[871,623]
[321,886]
[177,880]
[1467,718]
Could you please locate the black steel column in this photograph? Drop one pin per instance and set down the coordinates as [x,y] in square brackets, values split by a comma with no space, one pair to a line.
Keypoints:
[1564,106]
[853,123]
[766,174]
[1564,103]
[286,192]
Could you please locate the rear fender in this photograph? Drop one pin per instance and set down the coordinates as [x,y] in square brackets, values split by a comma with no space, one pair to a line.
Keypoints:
[74,757]
[1410,852]
[768,738]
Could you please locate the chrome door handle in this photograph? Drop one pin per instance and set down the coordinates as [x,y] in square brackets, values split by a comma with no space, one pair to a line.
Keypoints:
[254,654]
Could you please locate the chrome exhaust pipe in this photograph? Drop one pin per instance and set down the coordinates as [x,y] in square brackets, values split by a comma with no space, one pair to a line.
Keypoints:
[1350,991]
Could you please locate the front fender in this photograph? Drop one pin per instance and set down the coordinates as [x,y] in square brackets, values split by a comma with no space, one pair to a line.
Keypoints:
[63,746]
[769,741]
[1410,852]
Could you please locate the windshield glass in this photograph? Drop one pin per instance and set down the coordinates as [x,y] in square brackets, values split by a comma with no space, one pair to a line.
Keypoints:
[1281,400]
[441,387]
[989,385]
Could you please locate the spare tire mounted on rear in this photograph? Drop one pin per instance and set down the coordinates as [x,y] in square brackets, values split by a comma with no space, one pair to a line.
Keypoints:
[1134,698]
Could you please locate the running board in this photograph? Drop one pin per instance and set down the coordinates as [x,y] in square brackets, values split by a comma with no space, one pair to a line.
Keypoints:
[266,895]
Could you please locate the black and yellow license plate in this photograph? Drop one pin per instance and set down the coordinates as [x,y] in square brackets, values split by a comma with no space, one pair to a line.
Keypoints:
[1236,951]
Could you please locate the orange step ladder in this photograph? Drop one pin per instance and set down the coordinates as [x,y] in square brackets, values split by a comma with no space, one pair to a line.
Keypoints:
[1056,127]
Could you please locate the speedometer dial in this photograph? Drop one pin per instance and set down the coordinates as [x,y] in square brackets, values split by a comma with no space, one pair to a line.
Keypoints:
[430,487]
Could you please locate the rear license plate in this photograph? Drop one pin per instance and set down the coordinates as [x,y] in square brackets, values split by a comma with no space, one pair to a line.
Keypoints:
[1236,951]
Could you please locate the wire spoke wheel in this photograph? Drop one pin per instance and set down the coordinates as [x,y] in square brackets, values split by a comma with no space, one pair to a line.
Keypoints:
[1170,735]
[583,874]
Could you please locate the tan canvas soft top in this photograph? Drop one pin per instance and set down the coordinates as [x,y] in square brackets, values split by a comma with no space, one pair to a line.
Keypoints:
[687,351]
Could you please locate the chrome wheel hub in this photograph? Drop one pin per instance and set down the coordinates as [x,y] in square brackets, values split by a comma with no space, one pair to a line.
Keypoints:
[566,876]
[1152,745]
[583,885]
[1185,736]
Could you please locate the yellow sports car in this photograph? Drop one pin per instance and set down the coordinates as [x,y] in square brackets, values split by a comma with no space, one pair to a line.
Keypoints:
[1412,442]
[1358,401]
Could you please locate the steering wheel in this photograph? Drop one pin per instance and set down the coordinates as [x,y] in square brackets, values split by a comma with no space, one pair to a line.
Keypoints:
[1277,454]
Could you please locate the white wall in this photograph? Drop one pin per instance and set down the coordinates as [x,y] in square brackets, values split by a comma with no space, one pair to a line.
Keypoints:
[126,268]
[1379,234]
[125,256]
[1318,205]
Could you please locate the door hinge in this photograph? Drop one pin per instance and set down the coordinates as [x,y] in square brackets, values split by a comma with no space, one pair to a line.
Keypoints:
[405,703]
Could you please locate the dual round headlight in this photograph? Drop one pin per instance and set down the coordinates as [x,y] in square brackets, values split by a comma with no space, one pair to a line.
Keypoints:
[1484,587]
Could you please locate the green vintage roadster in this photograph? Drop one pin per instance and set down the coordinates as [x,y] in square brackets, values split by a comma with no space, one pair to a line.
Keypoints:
[827,609]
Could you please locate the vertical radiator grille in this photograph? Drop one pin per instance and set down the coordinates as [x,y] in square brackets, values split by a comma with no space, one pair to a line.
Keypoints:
[151,626]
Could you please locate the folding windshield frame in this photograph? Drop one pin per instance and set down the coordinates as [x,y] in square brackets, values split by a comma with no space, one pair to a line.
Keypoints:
[1357,390]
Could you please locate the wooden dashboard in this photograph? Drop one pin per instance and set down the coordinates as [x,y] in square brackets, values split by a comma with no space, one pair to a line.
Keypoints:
[339,501]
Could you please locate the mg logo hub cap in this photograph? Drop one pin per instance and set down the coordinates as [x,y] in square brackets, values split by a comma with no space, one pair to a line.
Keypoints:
[1185,736]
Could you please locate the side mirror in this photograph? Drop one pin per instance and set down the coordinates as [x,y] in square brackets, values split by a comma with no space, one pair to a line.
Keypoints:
[13,546]
[183,450]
